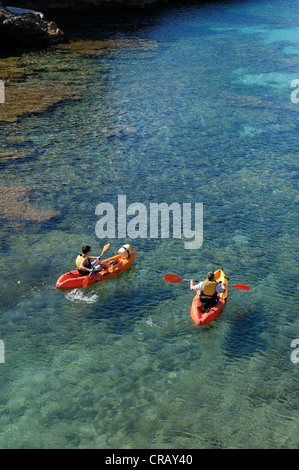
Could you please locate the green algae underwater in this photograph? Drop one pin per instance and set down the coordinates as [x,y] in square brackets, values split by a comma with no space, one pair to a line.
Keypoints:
[188,105]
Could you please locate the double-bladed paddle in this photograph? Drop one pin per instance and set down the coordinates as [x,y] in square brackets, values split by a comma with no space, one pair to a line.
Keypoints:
[174,278]
[85,282]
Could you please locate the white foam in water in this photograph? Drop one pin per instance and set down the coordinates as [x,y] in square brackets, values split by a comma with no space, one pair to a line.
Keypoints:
[79,295]
[149,321]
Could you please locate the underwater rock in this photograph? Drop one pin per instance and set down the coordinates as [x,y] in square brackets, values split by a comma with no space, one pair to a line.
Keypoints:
[86,46]
[15,204]
[118,131]
[12,154]
[16,148]
[240,240]
[33,97]
[11,68]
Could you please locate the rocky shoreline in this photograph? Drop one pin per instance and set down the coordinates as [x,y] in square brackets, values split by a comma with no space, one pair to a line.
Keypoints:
[26,28]
[22,26]
[45,5]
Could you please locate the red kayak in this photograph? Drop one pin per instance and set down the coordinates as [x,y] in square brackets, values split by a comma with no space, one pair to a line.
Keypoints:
[73,279]
[201,316]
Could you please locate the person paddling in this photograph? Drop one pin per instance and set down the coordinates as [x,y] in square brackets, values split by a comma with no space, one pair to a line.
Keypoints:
[209,290]
[85,264]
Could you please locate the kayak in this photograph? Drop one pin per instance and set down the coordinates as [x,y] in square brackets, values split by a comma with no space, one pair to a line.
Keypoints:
[201,316]
[73,279]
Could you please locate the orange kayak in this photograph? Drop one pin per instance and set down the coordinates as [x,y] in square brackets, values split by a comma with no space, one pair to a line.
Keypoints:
[73,279]
[202,317]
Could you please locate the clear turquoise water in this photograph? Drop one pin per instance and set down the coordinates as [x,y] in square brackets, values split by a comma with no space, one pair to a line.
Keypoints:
[203,114]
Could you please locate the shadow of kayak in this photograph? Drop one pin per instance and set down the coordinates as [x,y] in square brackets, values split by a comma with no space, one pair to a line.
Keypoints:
[243,337]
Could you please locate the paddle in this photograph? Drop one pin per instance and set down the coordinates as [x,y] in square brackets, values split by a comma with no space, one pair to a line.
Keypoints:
[174,278]
[103,251]
[85,282]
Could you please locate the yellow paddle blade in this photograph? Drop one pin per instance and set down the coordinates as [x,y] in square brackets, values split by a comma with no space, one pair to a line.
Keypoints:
[105,248]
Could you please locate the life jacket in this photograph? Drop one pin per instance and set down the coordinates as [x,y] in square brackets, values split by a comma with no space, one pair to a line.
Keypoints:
[209,289]
[79,260]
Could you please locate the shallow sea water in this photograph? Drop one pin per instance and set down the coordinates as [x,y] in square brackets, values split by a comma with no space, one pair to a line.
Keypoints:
[187,104]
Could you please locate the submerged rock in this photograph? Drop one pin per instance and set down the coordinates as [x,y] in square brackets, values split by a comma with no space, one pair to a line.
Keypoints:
[86,46]
[16,148]
[27,28]
[13,154]
[118,131]
[33,97]
[11,69]
[15,204]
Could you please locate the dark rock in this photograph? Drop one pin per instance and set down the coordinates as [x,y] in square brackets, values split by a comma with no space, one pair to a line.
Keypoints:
[82,4]
[27,29]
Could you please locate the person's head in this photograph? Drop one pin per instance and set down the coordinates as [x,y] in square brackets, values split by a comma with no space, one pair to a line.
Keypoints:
[85,249]
[210,276]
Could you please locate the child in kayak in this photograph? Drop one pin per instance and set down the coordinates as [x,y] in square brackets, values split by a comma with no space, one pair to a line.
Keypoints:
[86,266]
[209,290]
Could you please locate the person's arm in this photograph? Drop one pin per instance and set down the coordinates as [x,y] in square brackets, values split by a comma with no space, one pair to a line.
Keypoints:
[220,288]
[195,287]
[97,261]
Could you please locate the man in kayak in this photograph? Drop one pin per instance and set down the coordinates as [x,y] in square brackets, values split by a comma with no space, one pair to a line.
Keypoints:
[209,290]
[86,266]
